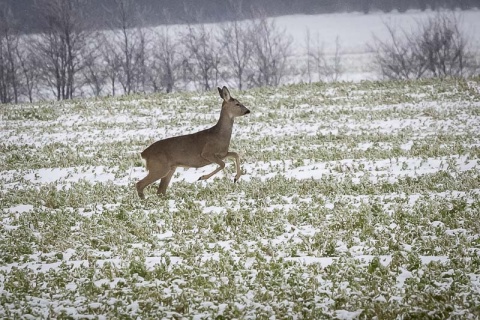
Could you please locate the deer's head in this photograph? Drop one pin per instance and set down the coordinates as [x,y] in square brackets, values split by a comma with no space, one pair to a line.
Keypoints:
[231,105]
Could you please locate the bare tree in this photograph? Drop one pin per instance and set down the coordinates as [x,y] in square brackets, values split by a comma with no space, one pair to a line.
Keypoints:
[110,61]
[435,48]
[129,47]
[125,21]
[315,56]
[202,54]
[59,47]
[28,67]
[328,68]
[271,49]
[141,54]
[309,55]
[236,44]
[332,68]
[95,70]
[166,61]
[445,47]
[9,79]
[399,57]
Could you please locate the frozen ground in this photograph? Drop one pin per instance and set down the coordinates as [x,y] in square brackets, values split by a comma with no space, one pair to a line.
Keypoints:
[359,200]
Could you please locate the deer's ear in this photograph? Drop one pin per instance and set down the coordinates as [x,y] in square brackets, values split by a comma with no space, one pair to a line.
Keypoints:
[220,92]
[225,94]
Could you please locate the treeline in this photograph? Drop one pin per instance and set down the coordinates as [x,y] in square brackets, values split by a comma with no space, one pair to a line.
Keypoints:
[403,5]
[70,59]
[221,10]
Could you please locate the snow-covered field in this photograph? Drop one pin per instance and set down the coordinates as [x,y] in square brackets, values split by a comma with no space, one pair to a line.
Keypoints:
[359,200]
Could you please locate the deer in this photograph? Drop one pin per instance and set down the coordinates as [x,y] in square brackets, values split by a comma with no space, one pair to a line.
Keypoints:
[195,150]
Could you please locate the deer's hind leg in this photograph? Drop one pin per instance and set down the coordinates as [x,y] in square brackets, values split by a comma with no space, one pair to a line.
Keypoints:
[213,159]
[156,171]
[162,188]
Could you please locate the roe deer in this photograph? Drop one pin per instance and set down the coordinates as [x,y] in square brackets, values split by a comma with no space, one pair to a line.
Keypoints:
[194,150]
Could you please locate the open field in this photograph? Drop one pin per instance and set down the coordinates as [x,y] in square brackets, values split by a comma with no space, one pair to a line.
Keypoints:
[359,200]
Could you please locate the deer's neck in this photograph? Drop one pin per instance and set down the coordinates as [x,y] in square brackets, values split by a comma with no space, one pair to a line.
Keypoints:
[224,125]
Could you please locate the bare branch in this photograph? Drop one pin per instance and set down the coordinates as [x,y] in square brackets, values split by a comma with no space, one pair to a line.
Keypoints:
[436,48]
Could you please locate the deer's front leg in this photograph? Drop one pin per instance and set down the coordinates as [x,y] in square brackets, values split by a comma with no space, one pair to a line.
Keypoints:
[235,156]
[213,159]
